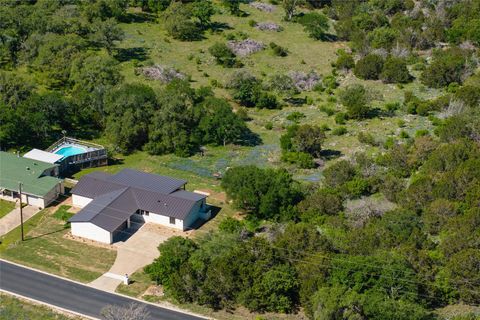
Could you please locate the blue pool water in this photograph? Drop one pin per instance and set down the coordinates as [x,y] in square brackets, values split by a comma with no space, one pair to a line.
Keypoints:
[70,151]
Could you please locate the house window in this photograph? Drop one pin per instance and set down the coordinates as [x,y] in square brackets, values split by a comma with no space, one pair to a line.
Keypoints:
[142,212]
[172,220]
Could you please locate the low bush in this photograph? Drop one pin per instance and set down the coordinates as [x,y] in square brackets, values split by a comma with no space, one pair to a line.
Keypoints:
[369,67]
[339,131]
[223,55]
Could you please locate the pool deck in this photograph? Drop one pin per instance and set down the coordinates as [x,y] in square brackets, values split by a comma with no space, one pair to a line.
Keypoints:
[63,145]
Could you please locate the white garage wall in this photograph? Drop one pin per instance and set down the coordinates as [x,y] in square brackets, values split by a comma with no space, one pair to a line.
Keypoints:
[79,201]
[53,194]
[33,201]
[163,220]
[90,231]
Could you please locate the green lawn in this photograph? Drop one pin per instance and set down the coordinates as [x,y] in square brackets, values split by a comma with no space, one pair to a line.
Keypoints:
[139,284]
[6,207]
[47,249]
[12,308]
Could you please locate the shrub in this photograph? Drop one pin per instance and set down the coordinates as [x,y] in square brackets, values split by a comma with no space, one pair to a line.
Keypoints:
[391,107]
[382,38]
[330,82]
[339,131]
[404,134]
[248,91]
[295,116]
[422,133]
[269,125]
[354,98]
[178,23]
[367,138]
[369,67]
[278,50]
[339,173]
[357,187]
[315,24]
[446,67]
[230,225]
[252,23]
[283,84]
[395,71]
[302,159]
[470,95]
[340,118]
[344,61]
[329,111]
[223,55]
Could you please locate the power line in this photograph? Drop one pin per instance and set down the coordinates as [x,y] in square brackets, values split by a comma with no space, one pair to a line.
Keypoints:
[290,251]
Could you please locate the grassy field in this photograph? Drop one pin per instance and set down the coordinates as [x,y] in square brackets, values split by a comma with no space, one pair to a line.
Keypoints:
[6,207]
[148,43]
[13,308]
[46,248]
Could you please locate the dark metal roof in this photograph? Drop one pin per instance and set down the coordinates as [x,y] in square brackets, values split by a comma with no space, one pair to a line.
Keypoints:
[117,197]
[96,206]
[93,185]
[147,181]
[163,204]
[188,195]
[117,212]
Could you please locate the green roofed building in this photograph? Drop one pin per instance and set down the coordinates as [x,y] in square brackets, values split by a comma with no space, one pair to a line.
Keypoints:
[40,186]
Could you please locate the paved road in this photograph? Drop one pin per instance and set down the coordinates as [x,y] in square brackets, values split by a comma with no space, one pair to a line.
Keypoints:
[70,295]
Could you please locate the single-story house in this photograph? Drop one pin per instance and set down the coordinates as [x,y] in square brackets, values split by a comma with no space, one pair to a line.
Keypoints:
[111,203]
[40,186]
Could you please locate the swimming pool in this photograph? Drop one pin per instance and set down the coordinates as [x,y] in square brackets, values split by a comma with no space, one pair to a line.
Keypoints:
[70,151]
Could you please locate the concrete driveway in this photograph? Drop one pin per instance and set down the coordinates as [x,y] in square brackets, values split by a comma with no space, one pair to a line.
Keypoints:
[137,251]
[12,219]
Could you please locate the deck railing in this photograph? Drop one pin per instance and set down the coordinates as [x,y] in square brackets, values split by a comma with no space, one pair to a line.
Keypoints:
[67,140]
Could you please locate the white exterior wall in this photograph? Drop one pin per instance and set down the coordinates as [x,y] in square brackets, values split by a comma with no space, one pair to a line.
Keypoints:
[90,231]
[53,194]
[179,224]
[79,201]
[163,220]
[33,201]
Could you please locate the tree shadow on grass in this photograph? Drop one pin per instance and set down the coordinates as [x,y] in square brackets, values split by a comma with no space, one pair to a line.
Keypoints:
[217,26]
[127,54]
[45,234]
[139,17]
[329,154]
[250,138]
[329,37]
[296,102]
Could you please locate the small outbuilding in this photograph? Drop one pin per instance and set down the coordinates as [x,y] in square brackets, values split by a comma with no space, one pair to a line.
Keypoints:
[112,203]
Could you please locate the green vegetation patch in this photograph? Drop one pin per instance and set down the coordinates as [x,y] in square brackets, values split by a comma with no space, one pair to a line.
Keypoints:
[6,207]
[46,248]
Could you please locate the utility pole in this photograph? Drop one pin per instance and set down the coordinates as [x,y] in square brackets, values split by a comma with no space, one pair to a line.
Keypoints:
[21,208]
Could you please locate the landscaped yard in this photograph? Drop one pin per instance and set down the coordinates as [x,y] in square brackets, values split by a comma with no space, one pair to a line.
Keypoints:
[47,249]
[12,308]
[6,207]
